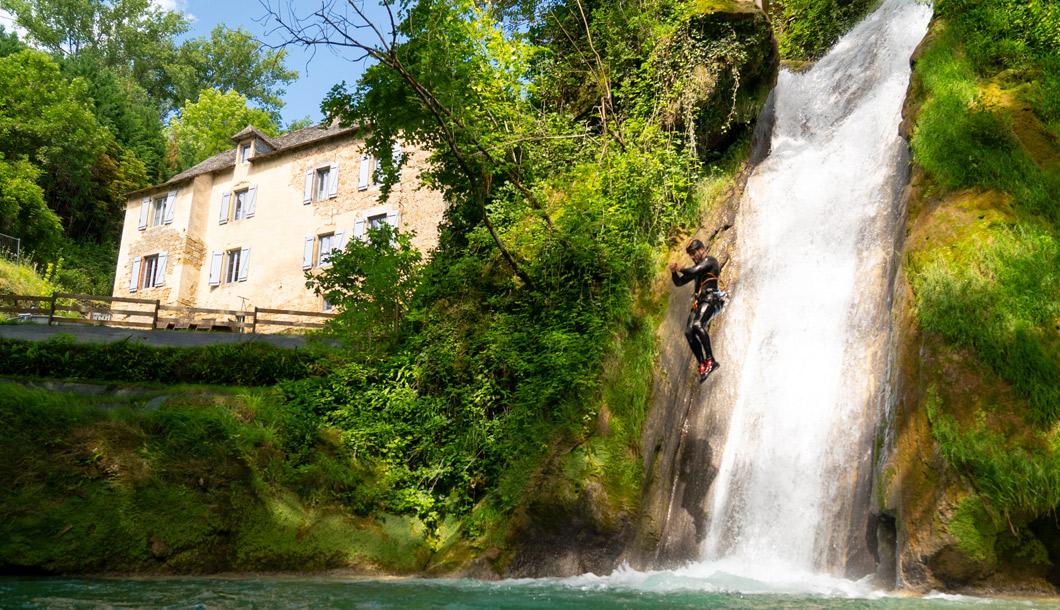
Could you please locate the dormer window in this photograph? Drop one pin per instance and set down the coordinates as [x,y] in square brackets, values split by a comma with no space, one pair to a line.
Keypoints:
[244,152]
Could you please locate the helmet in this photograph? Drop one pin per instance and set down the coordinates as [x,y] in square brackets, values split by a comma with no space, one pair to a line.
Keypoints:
[693,245]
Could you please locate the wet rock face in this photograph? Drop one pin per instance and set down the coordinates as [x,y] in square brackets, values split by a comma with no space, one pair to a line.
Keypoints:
[720,95]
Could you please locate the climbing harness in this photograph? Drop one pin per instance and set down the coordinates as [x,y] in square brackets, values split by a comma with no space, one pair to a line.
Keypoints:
[720,293]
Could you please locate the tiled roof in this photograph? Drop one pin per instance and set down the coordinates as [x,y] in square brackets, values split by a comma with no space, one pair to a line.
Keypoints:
[279,145]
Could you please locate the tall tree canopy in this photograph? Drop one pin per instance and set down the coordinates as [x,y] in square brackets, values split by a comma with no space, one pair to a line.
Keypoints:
[205,128]
[231,60]
[48,122]
[134,36]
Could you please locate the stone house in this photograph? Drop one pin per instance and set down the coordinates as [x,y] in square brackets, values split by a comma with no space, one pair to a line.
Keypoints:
[240,229]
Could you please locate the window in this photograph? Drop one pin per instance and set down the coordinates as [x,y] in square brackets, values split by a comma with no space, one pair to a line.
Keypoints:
[242,203]
[149,271]
[327,244]
[318,248]
[231,274]
[327,305]
[321,184]
[376,221]
[158,211]
[244,153]
[239,210]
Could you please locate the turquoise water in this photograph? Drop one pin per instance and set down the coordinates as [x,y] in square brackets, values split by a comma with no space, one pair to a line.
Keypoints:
[626,589]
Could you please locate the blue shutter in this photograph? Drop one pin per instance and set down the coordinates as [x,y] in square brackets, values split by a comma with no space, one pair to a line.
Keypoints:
[365,172]
[308,198]
[358,228]
[307,254]
[215,268]
[244,263]
[339,235]
[134,279]
[333,181]
[397,156]
[171,204]
[252,200]
[224,207]
[392,219]
[160,268]
[145,206]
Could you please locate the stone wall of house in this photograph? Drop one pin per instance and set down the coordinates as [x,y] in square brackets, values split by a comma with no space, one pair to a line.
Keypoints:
[276,234]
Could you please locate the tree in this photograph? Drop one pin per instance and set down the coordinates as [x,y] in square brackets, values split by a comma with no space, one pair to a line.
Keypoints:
[135,37]
[9,43]
[372,283]
[230,60]
[205,128]
[22,209]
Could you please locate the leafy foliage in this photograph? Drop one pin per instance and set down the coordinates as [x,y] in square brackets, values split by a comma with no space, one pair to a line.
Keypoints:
[230,60]
[246,364]
[371,282]
[205,128]
[557,207]
[806,29]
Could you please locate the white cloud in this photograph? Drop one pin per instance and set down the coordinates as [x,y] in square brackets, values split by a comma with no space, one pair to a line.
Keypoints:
[8,21]
[177,6]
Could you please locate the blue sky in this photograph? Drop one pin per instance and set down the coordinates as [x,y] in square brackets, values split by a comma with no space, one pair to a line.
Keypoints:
[318,72]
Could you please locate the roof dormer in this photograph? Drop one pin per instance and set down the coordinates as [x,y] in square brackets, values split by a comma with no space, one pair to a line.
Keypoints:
[250,142]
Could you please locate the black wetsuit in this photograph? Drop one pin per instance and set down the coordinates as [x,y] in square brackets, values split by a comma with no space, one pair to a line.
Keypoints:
[705,304]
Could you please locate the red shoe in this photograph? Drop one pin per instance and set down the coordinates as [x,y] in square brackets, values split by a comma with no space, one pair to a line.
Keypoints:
[708,367]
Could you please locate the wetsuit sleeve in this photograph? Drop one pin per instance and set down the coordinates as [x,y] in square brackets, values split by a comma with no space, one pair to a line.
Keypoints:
[682,279]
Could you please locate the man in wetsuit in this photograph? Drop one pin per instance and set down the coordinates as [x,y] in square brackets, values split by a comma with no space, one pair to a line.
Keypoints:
[707,301]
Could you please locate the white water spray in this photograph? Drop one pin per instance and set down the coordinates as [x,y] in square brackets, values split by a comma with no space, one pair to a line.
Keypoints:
[801,339]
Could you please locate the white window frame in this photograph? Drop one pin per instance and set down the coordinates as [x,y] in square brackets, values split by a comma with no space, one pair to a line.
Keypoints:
[149,271]
[239,204]
[323,255]
[321,183]
[230,272]
[376,220]
[327,306]
[158,211]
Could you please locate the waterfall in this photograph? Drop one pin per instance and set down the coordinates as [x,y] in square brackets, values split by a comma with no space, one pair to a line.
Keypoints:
[803,340]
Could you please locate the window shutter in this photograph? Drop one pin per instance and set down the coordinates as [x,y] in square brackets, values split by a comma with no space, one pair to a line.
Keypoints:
[215,268]
[224,207]
[365,173]
[171,204]
[392,219]
[134,279]
[145,207]
[160,269]
[337,244]
[333,181]
[358,229]
[308,187]
[252,200]
[244,263]
[397,152]
[307,255]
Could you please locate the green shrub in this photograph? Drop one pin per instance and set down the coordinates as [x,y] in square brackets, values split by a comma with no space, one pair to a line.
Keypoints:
[246,364]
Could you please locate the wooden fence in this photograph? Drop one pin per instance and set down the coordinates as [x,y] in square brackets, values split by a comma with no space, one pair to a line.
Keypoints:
[151,314]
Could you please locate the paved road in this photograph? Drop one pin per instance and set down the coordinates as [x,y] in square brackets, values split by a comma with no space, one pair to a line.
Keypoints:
[156,338]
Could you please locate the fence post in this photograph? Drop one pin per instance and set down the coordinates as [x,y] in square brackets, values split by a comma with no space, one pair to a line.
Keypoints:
[51,314]
[154,322]
[254,325]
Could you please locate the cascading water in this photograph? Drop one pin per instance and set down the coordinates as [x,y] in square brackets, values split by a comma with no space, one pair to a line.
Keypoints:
[803,340]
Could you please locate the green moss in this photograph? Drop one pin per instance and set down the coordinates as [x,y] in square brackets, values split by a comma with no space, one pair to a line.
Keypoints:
[193,486]
[974,530]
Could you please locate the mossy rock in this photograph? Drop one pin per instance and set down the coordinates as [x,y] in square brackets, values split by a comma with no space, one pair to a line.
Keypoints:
[719,65]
